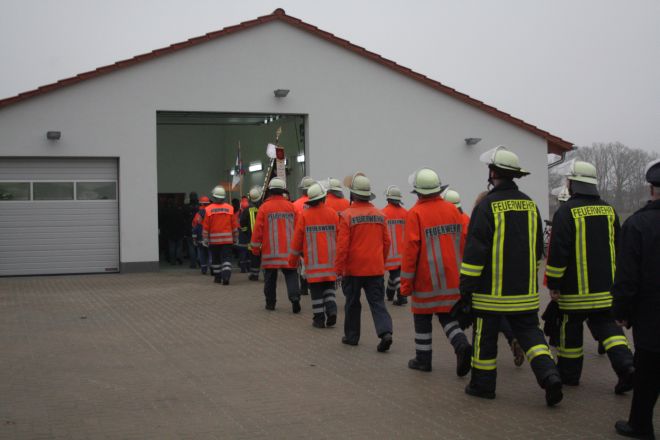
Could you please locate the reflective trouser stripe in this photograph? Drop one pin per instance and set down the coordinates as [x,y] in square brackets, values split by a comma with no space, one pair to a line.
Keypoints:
[318,306]
[423,341]
[226,267]
[452,330]
[538,350]
[613,341]
[480,364]
[393,284]
[328,296]
[570,353]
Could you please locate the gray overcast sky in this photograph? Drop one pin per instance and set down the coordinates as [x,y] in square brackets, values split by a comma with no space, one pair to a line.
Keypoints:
[585,70]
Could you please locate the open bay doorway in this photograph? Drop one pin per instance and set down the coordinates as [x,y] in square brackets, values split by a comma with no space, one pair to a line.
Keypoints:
[198,150]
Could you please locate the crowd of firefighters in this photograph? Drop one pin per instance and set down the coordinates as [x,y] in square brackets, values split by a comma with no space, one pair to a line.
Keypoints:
[479,270]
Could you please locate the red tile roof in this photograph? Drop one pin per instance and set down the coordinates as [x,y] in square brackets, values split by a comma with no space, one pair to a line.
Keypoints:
[555,143]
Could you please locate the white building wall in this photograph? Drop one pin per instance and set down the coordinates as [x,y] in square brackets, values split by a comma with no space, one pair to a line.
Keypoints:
[362,116]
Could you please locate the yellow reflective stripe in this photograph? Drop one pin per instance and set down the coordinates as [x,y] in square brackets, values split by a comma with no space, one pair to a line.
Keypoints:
[537,350]
[470,273]
[475,267]
[506,303]
[498,253]
[613,341]
[555,272]
[570,353]
[581,255]
[533,271]
[589,301]
[484,364]
[610,222]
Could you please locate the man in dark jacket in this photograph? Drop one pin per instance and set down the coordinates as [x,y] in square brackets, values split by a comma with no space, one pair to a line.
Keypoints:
[637,304]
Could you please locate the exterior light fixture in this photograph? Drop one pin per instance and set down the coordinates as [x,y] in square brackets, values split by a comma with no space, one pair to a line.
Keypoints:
[232,172]
[281,93]
[255,166]
[53,135]
[301,158]
[472,141]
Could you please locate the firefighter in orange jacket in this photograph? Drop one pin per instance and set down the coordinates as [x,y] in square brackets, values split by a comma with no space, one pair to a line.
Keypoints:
[335,198]
[315,237]
[300,205]
[362,245]
[395,215]
[197,234]
[272,235]
[430,270]
[220,231]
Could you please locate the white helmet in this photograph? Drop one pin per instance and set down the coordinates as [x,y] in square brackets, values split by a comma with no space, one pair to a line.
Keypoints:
[255,194]
[334,185]
[393,192]
[426,181]
[501,157]
[452,197]
[652,172]
[219,193]
[306,182]
[277,183]
[361,186]
[315,192]
[581,171]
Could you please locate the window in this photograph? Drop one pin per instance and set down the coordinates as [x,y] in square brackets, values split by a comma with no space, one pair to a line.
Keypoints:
[14,191]
[96,191]
[53,191]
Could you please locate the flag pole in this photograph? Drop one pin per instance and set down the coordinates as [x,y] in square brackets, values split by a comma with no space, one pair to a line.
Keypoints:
[240,182]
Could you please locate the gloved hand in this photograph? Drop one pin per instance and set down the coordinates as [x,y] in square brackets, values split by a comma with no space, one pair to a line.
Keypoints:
[462,313]
[205,242]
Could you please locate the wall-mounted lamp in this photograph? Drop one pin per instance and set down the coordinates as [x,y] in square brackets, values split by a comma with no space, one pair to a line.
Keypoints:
[255,166]
[53,135]
[232,172]
[301,158]
[281,93]
[472,141]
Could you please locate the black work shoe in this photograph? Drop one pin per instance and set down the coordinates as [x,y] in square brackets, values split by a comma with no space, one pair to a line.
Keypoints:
[295,306]
[553,394]
[345,340]
[385,343]
[270,306]
[390,297]
[625,382]
[253,277]
[463,360]
[473,391]
[225,282]
[400,301]
[332,320]
[318,324]
[415,364]
[217,280]
[623,428]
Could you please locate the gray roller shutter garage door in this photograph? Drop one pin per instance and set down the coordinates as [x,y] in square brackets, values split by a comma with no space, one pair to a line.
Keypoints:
[58,216]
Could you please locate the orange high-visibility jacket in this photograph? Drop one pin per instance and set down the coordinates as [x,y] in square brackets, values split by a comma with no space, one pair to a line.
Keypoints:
[362,241]
[339,204]
[466,223]
[395,216]
[219,225]
[299,204]
[432,256]
[315,237]
[273,232]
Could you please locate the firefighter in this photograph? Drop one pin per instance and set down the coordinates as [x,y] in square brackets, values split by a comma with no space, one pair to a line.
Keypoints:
[395,215]
[637,304]
[271,238]
[580,272]
[300,205]
[243,238]
[453,197]
[198,240]
[220,232]
[362,245]
[335,198]
[315,237]
[499,277]
[434,236]
[247,220]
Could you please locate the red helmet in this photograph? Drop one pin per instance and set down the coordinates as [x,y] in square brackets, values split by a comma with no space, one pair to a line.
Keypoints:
[204,200]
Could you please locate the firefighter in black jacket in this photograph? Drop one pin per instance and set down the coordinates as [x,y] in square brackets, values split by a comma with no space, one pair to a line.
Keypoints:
[246,223]
[637,303]
[499,276]
[580,273]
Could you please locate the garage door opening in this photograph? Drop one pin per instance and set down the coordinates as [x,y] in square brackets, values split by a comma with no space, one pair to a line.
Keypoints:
[198,150]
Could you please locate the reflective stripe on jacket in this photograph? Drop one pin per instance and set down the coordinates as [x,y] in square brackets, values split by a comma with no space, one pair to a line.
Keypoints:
[339,204]
[362,241]
[503,250]
[432,256]
[220,225]
[315,237]
[582,257]
[273,232]
[395,216]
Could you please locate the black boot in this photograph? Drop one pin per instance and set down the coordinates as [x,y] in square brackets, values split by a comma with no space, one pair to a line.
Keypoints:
[400,300]
[463,360]
[623,428]
[625,382]
[415,364]
[331,320]
[385,343]
[473,391]
[553,393]
[295,306]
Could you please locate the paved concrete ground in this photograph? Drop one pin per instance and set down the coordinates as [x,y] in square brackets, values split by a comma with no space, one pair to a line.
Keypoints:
[172,355]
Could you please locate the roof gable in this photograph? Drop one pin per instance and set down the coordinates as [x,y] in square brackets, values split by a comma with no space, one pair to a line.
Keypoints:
[555,144]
